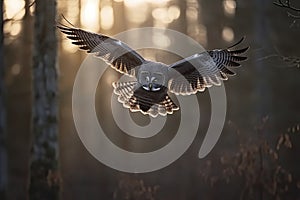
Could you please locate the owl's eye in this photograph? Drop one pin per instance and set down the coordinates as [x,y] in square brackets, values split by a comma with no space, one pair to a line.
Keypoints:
[158,79]
[144,76]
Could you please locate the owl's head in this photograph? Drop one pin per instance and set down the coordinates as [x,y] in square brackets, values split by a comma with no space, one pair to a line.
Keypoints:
[151,81]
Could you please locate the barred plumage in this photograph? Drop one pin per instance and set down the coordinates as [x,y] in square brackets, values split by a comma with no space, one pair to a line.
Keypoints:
[116,53]
[137,99]
[149,93]
[203,70]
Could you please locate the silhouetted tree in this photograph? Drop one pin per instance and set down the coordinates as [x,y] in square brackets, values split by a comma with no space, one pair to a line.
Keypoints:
[18,56]
[3,160]
[44,181]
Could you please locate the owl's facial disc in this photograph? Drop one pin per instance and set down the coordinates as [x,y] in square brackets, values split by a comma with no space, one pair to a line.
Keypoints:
[151,82]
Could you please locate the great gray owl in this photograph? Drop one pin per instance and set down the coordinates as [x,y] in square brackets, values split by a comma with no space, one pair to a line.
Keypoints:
[149,93]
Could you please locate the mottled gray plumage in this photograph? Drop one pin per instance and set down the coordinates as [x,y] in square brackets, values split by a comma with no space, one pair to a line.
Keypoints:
[149,93]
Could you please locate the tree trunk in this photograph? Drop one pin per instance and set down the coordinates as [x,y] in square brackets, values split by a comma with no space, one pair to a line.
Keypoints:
[213,18]
[3,153]
[44,177]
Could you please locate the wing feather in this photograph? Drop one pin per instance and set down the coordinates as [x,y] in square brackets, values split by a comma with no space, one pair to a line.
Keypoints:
[137,99]
[203,70]
[116,53]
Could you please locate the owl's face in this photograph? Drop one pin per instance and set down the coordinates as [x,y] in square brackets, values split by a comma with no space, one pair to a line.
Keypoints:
[151,81]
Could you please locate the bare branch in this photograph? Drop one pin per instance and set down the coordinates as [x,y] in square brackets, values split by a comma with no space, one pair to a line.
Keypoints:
[292,61]
[293,16]
[287,5]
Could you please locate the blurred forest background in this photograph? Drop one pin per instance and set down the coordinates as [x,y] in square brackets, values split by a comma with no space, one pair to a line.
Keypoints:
[257,156]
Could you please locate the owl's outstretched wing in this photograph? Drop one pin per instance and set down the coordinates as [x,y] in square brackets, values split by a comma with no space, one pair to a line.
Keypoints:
[203,70]
[116,53]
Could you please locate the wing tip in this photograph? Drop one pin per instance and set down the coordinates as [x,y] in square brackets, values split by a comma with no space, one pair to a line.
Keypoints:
[63,25]
[237,43]
[239,51]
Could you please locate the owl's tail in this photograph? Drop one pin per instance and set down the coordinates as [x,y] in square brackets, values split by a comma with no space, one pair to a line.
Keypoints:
[138,100]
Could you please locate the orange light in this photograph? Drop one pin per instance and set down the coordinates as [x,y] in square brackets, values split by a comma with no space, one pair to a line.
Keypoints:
[89,17]
[227,34]
[107,17]
[14,9]
[229,7]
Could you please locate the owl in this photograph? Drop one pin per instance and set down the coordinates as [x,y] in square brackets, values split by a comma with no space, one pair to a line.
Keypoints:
[154,81]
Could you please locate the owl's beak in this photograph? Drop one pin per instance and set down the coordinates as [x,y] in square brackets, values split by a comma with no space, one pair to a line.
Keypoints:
[150,86]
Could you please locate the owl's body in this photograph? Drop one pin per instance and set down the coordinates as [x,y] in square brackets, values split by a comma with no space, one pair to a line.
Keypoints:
[149,93]
[154,80]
